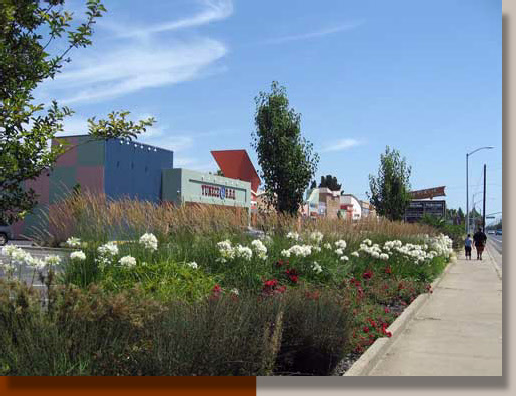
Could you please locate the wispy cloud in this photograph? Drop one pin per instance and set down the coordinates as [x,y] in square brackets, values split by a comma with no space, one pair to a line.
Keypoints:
[340,145]
[315,34]
[142,59]
[212,11]
[130,69]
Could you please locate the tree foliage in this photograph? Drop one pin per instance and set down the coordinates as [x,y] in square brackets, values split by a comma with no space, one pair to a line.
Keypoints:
[390,189]
[36,38]
[285,157]
[330,182]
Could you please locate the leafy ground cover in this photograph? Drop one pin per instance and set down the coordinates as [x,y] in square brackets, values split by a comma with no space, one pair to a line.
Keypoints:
[207,298]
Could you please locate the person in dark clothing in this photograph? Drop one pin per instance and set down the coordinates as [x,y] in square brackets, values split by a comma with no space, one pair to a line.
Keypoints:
[480,240]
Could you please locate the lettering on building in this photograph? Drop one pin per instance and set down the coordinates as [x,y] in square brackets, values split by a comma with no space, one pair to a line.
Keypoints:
[218,192]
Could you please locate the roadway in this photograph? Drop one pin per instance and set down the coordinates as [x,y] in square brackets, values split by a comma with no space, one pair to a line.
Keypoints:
[494,244]
[497,241]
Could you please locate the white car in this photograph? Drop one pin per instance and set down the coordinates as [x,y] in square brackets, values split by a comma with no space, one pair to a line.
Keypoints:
[491,232]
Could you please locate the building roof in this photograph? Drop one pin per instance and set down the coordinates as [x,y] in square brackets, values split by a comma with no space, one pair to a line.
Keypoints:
[236,164]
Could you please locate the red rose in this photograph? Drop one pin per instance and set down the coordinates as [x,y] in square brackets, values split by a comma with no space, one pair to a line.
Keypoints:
[365,329]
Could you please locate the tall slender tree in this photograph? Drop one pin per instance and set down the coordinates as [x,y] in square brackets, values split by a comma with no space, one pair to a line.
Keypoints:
[390,189]
[285,157]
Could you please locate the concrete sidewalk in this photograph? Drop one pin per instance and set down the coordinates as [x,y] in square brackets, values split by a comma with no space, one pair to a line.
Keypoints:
[458,330]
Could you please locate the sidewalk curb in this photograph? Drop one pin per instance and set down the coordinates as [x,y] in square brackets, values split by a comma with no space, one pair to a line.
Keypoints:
[364,365]
[493,263]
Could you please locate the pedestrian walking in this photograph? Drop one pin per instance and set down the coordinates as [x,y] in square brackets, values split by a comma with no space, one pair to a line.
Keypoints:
[479,240]
[468,244]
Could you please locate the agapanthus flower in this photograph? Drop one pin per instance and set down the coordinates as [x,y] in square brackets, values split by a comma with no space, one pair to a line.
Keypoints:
[52,259]
[260,249]
[78,255]
[316,268]
[127,261]
[192,264]
[316,236]
[109,249]
[341,244]
[243,252]
[293,235]
[149,241]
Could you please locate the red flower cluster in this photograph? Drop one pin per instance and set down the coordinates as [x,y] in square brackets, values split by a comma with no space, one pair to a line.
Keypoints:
[367,274]
[388,270]
[271,287]
[354,281]
[215,292]
[292,275]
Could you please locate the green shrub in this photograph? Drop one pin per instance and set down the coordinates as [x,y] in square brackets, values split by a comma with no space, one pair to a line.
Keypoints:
[97,333]
[315,333]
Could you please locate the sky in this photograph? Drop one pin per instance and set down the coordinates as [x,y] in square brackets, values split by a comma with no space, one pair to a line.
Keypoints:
[423,77]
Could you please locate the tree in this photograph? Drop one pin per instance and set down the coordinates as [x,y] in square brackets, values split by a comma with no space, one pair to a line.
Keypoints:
[460,214]
[29,29]
[330,182]
[390,189]
[286,159]
[313,185]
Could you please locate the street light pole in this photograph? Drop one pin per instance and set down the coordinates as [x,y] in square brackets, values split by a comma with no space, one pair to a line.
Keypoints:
[467,183]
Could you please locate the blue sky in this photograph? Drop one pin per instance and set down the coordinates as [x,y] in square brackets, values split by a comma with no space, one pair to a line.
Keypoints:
[424,77]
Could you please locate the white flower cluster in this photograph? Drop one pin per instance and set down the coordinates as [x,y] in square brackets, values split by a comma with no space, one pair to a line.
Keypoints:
[73,242]
[243,252]
[344,258]
[327,246]
[260,249]
[78,255]
[149,241]
[127,261]
[356,254]
[316,236]
[373,250]
[293,235]
[389,245]
[19,256]
[108,250]
[228,252]
[298,251]
[53,260]
[192,265]
[341,244]
[316,268]
[441,244]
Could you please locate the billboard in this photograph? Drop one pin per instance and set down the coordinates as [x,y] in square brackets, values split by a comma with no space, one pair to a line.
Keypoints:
[428,193]
[416,209]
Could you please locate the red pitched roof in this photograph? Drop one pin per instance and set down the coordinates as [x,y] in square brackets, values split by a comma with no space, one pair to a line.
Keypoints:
[236,164]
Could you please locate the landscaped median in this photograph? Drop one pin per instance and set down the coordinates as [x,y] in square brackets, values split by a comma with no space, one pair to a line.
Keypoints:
[216,301]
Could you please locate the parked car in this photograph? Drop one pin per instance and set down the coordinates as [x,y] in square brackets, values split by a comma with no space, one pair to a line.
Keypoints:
[490,231]
[5,233]
[498,232]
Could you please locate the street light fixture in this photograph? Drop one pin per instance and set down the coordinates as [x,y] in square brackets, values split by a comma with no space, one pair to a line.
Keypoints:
[467,182]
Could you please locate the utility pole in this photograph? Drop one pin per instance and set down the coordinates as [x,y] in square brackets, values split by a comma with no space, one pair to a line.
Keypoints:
[484,209]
